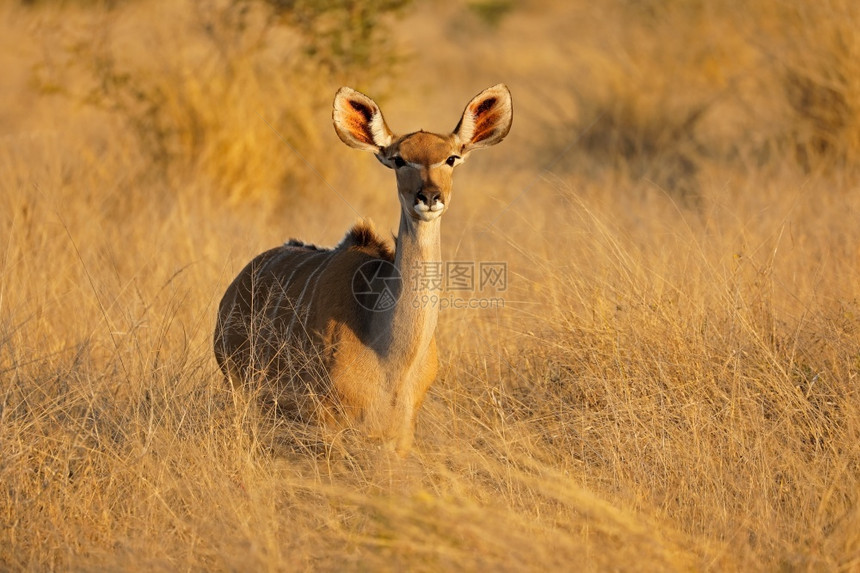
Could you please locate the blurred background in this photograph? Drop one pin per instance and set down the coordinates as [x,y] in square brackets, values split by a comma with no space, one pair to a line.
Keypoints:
[226,95]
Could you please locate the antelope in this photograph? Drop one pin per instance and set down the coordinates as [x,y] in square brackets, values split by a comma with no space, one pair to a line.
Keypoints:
[340,337]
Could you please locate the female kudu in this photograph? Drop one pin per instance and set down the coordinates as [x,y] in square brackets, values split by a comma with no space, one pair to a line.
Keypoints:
[332,335]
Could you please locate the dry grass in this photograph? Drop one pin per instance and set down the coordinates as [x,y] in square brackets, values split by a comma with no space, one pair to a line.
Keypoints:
[672,384]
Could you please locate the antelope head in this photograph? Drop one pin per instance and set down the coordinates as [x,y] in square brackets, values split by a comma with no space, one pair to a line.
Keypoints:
[423,162]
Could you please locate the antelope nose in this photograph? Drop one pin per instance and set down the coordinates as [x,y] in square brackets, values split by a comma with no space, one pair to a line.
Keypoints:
[428,196]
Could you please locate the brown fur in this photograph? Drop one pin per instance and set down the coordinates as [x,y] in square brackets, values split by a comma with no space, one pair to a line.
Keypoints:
[363,238]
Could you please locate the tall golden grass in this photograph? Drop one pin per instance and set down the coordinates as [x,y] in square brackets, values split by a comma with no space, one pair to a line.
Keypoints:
[672,383]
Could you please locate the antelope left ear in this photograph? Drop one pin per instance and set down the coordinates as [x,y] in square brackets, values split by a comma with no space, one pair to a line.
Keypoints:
[486,120]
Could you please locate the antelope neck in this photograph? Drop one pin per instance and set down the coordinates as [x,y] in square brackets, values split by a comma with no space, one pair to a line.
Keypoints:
[411,323]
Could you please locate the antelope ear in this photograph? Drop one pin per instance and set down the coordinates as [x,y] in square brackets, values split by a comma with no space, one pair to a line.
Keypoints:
[486,120]
[358,121]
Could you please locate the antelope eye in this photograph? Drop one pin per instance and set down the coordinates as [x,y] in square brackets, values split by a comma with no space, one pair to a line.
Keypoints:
[399,161]
[452,160]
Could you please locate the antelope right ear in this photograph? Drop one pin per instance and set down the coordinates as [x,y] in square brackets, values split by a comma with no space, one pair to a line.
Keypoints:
[486,120]
[358,121]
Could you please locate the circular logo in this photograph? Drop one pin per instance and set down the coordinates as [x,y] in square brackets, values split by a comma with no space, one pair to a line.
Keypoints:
[377,285]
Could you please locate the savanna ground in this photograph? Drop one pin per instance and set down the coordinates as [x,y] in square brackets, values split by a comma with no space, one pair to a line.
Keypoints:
[672,383]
